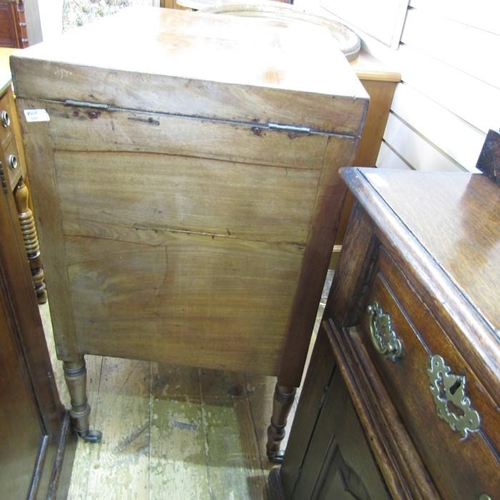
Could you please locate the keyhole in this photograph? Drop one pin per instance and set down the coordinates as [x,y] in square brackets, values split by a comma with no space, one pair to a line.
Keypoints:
[454,387]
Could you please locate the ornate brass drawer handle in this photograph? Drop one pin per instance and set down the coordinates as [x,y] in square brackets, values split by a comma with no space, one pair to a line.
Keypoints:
[383,337]
[452,405]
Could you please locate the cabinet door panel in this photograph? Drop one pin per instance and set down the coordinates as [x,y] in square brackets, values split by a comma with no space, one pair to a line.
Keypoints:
[349,471]
[21,427]
[339,463]
[19,422]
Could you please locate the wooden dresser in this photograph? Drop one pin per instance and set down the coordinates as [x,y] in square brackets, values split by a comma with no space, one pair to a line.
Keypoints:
[13,29]
[187,189]
[402,393]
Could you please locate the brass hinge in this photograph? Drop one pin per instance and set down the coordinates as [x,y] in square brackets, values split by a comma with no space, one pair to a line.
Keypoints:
[3,179]
[85,104]
[289,128]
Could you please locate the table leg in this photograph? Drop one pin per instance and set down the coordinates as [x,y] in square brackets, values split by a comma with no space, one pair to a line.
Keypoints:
[75,374]
[282,403]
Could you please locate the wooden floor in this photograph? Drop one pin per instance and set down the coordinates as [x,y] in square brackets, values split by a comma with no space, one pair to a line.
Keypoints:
[170,432]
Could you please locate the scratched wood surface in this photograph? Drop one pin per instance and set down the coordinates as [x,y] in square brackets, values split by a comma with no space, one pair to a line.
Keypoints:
[171,432]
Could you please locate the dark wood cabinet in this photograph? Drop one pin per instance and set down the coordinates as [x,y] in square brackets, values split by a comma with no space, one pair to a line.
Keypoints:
[34,426]
[329,456]
[401,396]
[13,28]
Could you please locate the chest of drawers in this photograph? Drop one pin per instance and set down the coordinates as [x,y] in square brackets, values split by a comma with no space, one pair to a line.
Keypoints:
[187,188]
[408,352]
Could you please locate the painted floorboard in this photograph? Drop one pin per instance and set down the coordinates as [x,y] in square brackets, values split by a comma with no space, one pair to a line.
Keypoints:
[178,466]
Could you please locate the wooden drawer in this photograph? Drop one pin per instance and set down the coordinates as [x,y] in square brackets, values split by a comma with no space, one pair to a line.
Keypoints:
[448,452]
[422,249]
[12,159]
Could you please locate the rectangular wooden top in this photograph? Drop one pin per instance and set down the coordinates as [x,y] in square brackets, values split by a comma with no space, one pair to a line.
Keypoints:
[447,225]
[456,217]
[176,61]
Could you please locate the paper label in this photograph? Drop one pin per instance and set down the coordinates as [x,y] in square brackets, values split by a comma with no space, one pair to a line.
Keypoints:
[36,115]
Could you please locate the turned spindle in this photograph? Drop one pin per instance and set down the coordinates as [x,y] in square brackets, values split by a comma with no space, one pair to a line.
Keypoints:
[282,404]
[30,237]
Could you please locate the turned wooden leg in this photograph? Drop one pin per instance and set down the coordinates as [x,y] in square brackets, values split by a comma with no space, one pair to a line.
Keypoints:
[75,374]
[30,237]
[282,403]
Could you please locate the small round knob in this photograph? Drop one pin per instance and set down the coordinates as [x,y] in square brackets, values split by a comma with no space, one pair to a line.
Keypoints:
[13,163]
[4,116]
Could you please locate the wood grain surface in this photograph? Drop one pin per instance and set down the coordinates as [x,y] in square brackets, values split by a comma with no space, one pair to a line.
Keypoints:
[430,259]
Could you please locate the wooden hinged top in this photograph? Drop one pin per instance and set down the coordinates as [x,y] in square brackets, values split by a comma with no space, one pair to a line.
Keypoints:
[196,64]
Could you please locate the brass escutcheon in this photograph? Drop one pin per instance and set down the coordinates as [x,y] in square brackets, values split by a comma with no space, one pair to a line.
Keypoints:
[452,405]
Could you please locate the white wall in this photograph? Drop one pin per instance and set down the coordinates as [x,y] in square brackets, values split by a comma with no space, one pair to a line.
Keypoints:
[450,92]
[50,17]
[51,14]
[33,21]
